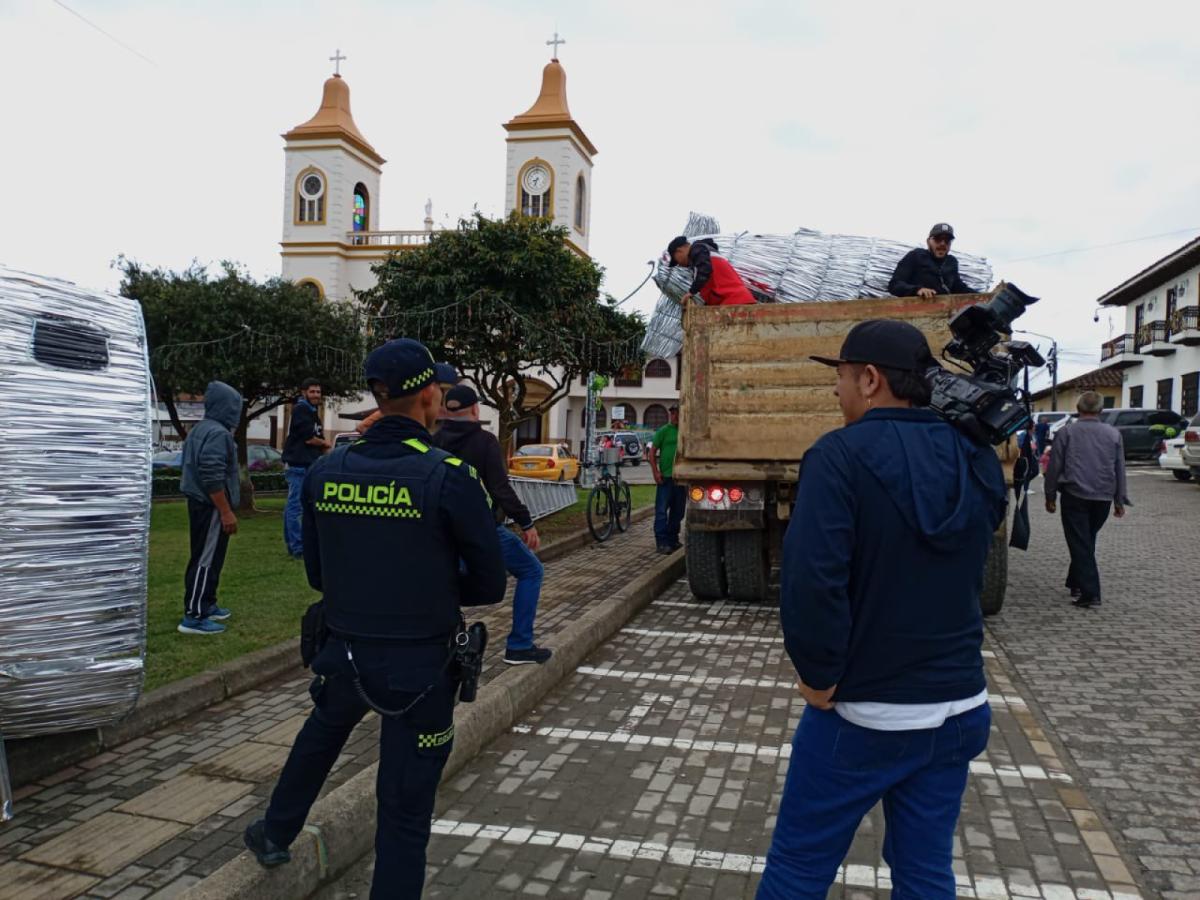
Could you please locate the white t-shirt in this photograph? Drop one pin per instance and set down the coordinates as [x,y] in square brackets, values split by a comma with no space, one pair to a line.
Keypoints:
[906,716]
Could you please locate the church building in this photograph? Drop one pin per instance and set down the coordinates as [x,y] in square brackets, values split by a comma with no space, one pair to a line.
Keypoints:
[332,232]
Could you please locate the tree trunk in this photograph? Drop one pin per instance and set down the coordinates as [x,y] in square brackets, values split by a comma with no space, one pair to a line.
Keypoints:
[169,402]
[247,486]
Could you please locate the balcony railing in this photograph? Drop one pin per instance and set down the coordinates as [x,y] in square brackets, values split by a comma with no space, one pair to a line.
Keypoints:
[1152,333]
[1186,319]
[1118,346]
[388,238]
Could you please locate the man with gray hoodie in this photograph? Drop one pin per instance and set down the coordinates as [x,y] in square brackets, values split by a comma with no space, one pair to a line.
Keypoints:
[210,483]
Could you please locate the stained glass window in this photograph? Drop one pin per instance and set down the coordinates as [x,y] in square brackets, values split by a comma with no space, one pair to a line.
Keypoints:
[360,208]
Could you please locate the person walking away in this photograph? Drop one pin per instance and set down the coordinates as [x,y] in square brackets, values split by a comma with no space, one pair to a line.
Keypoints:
[304,445]
[210,481]
[879,602]
[716,281]
[670,498]
[929,270]
[1087,467]
[397,536]
[463,435]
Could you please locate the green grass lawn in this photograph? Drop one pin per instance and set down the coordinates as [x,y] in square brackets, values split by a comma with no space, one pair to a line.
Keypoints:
[264,588]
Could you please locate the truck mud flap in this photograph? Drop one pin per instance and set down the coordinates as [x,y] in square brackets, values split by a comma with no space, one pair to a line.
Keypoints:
[704,554]
[746,568]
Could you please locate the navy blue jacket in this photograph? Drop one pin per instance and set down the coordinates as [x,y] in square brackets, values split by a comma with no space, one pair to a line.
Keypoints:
[398,535]
[921,269]
[883,560]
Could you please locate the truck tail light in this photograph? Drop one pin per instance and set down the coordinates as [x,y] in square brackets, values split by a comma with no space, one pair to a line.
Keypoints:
[736,494]
[697,494]
[716,493]
[1191,437]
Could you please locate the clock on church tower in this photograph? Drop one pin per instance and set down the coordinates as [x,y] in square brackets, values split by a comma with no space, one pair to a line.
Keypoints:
[550,160]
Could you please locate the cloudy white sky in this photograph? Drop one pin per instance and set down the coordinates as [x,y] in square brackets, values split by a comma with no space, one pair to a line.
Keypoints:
[1034,128]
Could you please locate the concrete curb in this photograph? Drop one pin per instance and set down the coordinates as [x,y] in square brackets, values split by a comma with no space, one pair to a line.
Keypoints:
[341,826]
[31,759]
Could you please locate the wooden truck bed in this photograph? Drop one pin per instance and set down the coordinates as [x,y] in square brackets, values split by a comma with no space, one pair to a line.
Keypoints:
[752,401]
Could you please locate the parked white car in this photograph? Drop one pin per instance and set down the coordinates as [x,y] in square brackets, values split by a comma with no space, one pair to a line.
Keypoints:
[1171,457]
[1191,446]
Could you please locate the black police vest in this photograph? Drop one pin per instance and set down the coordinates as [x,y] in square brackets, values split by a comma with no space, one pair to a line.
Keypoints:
[389,568]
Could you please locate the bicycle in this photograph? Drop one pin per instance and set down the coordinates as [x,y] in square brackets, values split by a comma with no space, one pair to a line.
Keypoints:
[610,503]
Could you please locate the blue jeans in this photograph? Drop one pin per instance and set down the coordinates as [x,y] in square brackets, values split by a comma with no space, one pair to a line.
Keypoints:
[840,770]
[527,569]
[670,500]
[294,475]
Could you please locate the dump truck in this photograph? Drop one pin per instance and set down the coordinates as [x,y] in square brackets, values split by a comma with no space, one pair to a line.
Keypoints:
[752,402]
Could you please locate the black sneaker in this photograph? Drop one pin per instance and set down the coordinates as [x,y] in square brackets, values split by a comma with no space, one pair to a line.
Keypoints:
[1086,602]
[523,657]
[662,548]
[675,546]
[260,845]
[1075,592]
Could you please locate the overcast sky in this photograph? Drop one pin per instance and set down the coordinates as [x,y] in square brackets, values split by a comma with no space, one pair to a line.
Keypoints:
[1033,127]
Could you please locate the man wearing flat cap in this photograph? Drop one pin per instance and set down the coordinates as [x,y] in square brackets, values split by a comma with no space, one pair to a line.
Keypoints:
[398,537]
[931,270]
[716,282]
[879,602]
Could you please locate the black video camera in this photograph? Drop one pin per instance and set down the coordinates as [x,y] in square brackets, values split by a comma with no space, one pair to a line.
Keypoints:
[469,646]
[986,405]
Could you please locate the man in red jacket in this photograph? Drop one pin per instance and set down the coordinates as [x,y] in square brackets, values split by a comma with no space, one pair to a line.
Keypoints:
[716,281]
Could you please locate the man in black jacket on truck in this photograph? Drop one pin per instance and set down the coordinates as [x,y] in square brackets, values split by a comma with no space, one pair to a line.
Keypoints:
[462,434]
[929,271]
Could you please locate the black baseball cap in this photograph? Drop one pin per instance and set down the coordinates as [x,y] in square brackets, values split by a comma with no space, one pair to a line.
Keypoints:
[884,342]
[403,366]
[675,244]
[942,228]
[444,373]
[459,397]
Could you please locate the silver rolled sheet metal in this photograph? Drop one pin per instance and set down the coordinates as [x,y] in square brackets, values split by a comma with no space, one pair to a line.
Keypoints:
[75,407]
[803,267]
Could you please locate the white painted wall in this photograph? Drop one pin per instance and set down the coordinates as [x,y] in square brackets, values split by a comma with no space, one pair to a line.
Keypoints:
[1183,361]
[556,147]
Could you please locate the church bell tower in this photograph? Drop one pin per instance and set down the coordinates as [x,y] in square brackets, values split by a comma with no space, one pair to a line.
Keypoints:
[549,169]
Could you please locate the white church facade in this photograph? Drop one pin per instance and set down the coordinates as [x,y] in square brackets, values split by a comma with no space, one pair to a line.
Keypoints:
[332,235]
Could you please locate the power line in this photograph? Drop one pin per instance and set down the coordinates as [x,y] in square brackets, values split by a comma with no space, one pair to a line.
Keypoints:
[1149,237]
[116,40]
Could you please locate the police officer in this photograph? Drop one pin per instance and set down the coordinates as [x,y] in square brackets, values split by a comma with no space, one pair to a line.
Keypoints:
[386,522]
[929,270]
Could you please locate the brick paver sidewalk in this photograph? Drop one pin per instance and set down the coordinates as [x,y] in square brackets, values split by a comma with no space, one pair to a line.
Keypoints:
[159,813]
[656,771]
[1120,685]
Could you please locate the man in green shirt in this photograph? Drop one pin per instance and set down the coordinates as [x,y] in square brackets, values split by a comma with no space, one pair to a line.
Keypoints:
[669,498]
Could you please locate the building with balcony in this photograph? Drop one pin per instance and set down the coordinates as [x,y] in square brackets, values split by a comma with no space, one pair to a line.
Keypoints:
[1158,352]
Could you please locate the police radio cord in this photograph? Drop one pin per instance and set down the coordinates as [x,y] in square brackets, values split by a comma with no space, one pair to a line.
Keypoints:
[459,638]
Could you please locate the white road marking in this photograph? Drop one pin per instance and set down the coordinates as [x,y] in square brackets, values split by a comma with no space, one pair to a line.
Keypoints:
[717,608]
[877,877]
[703,637]
[1011,700]
[765,752]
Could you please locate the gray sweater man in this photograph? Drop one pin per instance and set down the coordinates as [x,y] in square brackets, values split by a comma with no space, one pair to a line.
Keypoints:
[210,483]
[1087,467]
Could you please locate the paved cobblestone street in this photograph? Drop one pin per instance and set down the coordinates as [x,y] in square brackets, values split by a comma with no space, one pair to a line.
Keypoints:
[157,814]
[656,771]
[1120,685]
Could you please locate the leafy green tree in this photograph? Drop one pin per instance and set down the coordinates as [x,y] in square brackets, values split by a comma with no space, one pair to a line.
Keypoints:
[263,339]
[504,300]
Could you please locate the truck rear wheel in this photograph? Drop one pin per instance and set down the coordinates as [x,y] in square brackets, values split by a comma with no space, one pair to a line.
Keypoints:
[995,574]
[704,555]
[746,567]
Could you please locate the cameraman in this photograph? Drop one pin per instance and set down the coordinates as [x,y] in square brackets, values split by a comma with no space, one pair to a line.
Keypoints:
[397,536]
[882,570]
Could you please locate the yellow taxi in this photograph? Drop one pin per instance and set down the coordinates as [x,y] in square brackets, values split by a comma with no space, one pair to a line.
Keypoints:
[554,462]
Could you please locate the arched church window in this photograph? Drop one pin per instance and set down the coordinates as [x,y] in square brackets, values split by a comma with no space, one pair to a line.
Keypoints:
[312,286]
[580,202]
[656,416]
[362,208]
[536,189]
[310,198]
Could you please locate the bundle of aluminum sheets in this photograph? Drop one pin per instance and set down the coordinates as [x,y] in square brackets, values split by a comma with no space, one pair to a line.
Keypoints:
[75,403]
[797,268]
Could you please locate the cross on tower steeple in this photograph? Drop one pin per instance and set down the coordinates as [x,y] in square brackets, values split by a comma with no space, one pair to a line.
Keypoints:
[557,40]
[337,58]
